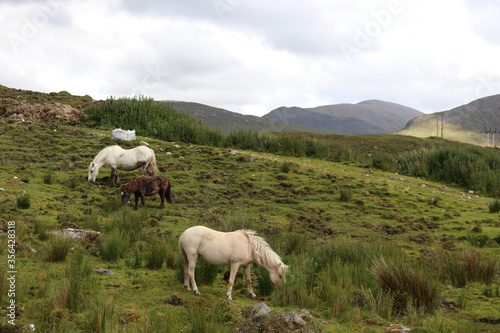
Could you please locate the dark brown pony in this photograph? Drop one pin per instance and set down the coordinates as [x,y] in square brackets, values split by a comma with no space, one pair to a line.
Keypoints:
[143,186]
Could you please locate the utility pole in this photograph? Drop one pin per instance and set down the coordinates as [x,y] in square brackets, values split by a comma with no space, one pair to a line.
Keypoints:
[438,116]
[442,124]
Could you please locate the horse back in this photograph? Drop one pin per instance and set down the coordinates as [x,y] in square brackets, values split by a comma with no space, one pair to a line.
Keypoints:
[217,248]
[155,184]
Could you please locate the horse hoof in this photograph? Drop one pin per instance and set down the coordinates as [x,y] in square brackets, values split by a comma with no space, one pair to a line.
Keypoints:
[253,297]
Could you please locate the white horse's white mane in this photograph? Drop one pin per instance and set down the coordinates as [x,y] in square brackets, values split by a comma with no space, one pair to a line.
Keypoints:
[263,253]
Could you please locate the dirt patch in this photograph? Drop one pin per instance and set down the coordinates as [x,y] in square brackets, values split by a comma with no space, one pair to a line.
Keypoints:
[24,111]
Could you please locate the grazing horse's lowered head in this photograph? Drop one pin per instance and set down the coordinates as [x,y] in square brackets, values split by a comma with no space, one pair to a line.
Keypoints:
[93,172]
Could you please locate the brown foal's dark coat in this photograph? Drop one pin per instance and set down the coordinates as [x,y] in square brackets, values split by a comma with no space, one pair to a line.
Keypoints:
[143,186]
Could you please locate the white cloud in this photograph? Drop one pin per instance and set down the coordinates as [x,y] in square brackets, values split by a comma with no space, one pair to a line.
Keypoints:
[253,56]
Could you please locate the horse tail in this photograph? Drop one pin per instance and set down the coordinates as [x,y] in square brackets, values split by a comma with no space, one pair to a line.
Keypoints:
[168,192]
[152,164]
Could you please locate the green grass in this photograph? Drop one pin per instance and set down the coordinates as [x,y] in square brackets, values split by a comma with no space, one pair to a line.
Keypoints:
[330,244]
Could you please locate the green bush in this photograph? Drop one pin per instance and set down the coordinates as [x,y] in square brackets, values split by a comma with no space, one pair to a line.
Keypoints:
[113,245]
[23,201]
[82,283]
[155,254]
[286,167]
[494,206]
[463,267]
[345,193]
[471,167]
[57,248]
[47,178]
[409,284]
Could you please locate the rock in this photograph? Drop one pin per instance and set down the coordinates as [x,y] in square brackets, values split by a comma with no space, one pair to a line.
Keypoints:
[143,143]
[75,234]
[292,320]
[262,309]
[233,152]
[103,271]
[396,328]
[119,134]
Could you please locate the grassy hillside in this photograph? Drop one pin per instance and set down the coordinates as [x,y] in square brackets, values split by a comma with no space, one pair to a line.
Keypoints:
[465,123]
[345,230]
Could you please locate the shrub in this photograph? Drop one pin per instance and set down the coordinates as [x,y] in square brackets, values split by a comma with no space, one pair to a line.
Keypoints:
[384,161]
[23,201]
[462,268]
[40,228]
[113,246]
[102,314]
[345,194]
[155,254]
[81,283]
[47,178]
[57,248]
[297,289]
[408,284]
[494,206]
[286,167]
[264,284]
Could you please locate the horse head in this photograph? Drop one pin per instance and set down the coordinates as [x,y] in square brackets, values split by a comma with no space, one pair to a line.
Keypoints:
[93,171]
[276,274]
[125,196]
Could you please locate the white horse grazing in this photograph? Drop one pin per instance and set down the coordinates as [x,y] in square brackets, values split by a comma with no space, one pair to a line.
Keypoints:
[124,159]
[237,248]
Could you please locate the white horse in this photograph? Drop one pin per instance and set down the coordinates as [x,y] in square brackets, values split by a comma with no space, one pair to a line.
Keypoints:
[124,159]
[237,248]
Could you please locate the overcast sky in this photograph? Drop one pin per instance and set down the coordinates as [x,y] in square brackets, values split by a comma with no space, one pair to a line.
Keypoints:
[251,56]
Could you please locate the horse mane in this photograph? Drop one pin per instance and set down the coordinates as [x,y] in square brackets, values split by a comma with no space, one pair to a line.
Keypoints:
[133,185]
[263,253]
[104,150]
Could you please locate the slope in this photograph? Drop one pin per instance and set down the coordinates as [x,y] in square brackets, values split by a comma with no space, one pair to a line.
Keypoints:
[466,123]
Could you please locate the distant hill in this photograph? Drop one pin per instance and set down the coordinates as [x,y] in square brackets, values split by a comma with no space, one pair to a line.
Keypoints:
[464,123]
[227,121]
[368,117]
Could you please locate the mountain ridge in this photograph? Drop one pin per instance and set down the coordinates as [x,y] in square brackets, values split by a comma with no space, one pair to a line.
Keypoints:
[366,117]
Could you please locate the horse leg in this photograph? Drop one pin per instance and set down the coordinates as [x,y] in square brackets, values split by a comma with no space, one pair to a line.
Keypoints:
[162,196]
[149,169]
[115,180]
[186,270]
[143,199]
[191,267]
[136,200]
[249,281]
[232,276]
[142,166]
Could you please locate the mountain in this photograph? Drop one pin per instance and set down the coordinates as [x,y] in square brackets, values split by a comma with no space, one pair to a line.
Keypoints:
[226,121]
[466,123]
[368,117]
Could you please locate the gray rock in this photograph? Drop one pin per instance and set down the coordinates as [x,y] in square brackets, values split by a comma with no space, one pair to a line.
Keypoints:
[397,328]
[262,309]
[292,320]
[103,271]
[74,234]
